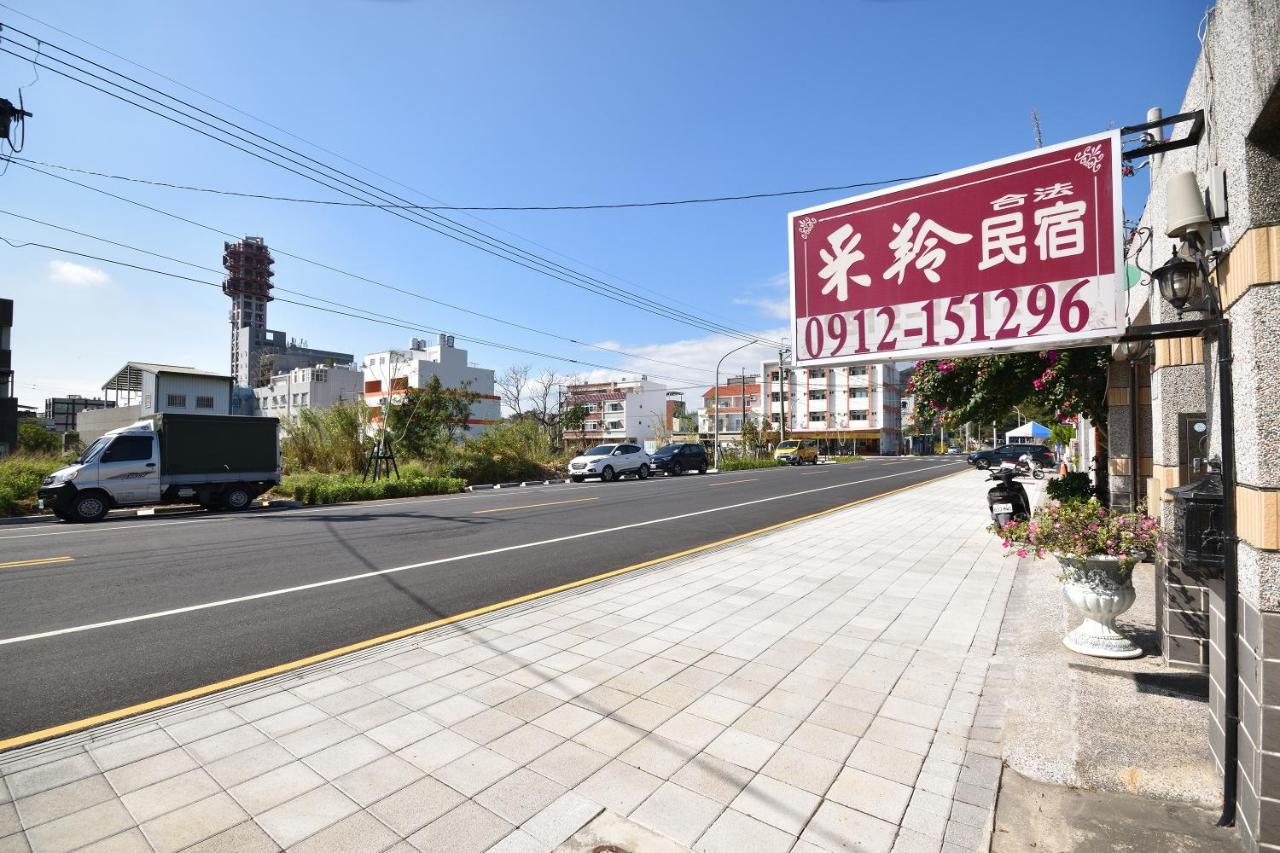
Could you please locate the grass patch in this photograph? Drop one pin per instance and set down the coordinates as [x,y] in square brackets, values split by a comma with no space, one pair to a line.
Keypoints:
[745,464]
[20,477]
[844,458]
[314,488]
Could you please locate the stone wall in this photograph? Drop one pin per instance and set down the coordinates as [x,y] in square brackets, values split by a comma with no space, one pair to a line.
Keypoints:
[1235,83]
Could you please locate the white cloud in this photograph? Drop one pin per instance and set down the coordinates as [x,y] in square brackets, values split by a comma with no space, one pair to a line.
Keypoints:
[774,302]
[79,275]
[692,361]
[774,309]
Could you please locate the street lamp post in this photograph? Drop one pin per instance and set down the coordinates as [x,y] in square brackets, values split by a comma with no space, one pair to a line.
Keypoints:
[715,441]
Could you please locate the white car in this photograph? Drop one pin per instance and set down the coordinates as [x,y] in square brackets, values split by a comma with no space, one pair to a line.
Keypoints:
[609,462]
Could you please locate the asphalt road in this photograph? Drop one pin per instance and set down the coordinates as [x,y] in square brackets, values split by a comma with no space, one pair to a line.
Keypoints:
[136,610]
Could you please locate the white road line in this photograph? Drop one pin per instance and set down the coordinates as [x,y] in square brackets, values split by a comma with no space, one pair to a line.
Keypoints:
[488,553]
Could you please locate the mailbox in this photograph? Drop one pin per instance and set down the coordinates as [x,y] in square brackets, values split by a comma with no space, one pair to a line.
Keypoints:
[1198,541]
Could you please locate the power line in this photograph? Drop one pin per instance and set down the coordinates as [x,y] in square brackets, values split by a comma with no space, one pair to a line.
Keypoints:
[194,265]
[331,152]
[552,207]
[432,221]
[340,308]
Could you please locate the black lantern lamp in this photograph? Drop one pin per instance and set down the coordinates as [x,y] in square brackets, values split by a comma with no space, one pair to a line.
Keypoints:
[1180,281]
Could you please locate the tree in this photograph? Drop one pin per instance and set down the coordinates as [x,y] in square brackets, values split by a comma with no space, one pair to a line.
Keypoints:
[333,440]
[425,422]
[985,389]
[573,417]
[34,438]
[513,383]
[750,435]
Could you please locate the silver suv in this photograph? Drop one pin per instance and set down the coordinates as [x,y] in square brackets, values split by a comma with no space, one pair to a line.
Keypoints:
[609,462]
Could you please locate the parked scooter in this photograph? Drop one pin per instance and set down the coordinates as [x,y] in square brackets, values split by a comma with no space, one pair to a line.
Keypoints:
[1027,465]
[1008,499]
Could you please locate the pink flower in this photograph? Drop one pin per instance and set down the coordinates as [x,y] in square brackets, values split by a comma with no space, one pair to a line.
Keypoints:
[1037,384]
[1022,552]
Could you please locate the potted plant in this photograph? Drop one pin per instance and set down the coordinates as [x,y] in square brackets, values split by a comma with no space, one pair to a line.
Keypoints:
[1097,550]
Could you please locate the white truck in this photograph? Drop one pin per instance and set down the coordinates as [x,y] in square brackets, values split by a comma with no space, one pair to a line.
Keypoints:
[216,461]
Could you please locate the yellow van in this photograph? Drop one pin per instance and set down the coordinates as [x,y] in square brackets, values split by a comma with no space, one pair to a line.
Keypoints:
[797,452]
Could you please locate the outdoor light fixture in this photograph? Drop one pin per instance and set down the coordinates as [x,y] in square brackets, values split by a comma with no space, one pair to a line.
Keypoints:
[1180,281]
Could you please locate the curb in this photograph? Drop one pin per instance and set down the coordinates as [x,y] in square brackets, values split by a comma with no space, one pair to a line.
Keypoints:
[526,484]
[176,509]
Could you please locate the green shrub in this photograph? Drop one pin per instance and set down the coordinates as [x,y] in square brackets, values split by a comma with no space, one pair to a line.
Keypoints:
[1074,486]
[507,452]
[20,476]
[854,458]
[319,488]
[332,440]
[35,439]
[745,463]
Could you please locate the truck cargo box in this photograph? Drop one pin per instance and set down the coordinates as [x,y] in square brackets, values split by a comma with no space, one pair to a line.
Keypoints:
[217,444]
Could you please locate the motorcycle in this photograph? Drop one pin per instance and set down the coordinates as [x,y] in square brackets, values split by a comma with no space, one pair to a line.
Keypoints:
[1008,499]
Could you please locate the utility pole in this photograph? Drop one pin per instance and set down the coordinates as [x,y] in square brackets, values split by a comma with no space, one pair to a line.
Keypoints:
[782,397]
[715,447]
[742,421]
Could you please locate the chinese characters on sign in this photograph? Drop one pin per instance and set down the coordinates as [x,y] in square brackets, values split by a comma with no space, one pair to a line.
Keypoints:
[1016,254]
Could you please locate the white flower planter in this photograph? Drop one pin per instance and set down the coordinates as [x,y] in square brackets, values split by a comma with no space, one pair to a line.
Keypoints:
[1100,588]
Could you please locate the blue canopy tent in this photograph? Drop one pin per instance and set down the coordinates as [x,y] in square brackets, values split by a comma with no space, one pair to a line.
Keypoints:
[1030,429]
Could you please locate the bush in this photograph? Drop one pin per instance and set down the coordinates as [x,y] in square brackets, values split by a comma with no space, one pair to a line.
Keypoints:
[20,477]
[331,441]
[509,451]
[745,463]
[320,488]
[35,439]
[1074,486]
[854,458]
[1082,529]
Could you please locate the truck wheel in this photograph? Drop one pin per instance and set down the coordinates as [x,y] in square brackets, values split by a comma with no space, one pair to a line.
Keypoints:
[89,508]
[236,498]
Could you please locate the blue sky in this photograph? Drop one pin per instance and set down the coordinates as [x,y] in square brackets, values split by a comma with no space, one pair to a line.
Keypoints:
[514,103]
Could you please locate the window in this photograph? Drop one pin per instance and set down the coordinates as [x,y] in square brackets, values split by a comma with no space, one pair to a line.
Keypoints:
[775,396]
[857,371]
[818,394]
[128,448]
[817,417]
[858,393]
[204,402]
[304,398]
[177,401]
[818,373]
[857,414]
[613,425]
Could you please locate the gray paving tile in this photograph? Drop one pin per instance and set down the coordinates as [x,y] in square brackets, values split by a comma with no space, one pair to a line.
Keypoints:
[341,758]
[804,770]
[562,818]
[525,744]
[129,841]
[404,730]
[248,763]
[609,736]
[245,837]
[415,806]
[777,804]
[192,823]
[469,828]
[274,787]
[569,763]
[735,832]
[475,771]
[436,750]
[80,828]
[63,800]
[359,833]
[619,786]
[375,780]
[520,795]
[117,753]
[835,827]
[164,797]
[303,816]
[42,777]
[677,813]
[888,761]
[875,795]
[822,741]
[742,748]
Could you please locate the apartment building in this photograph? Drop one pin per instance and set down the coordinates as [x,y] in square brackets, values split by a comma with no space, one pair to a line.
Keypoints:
[391,371]
[739,397]
[316,387]
[61,412]
[855,409]
[635,410]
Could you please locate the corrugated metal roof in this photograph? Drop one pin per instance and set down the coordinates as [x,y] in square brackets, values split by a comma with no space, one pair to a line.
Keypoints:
[129,377]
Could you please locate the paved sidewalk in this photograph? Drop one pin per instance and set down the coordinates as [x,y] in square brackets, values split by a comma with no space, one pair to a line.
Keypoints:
[816,688]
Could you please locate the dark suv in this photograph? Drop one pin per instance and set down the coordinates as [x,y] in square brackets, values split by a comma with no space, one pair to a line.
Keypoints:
[984,459]
[679,458]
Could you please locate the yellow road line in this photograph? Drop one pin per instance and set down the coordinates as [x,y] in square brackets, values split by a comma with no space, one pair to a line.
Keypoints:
[532,506]
[731,482]
[236,681]
[17,564]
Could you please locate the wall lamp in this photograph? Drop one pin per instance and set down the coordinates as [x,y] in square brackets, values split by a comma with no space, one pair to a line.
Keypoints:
[1183,280]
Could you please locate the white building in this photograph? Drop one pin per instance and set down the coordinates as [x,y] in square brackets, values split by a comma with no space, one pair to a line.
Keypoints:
[390,371]
[317,387]
[632,410]
[848,409]
[738,398]
[140,389]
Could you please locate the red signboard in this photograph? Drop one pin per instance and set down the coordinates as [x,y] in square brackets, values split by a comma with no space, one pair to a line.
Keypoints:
[1016,254]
